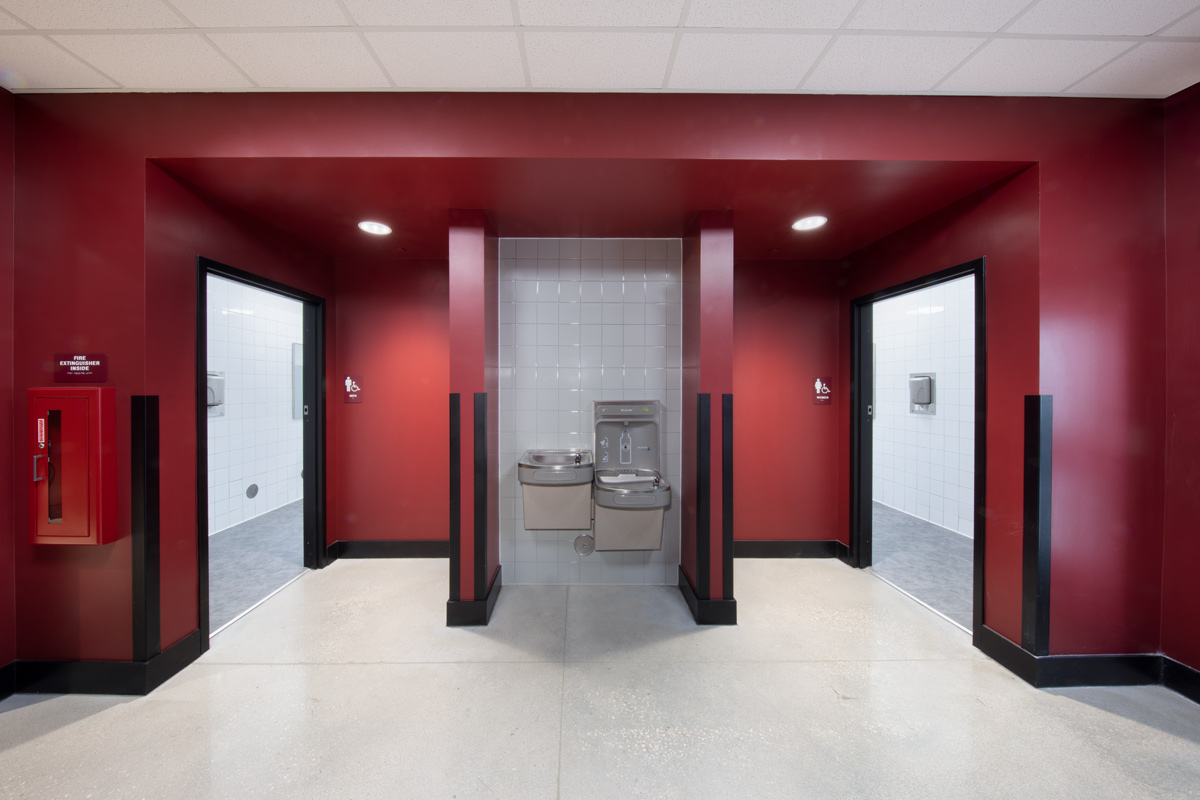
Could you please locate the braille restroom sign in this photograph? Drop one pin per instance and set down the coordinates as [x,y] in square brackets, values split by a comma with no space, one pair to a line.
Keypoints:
[353,385]
[822,394]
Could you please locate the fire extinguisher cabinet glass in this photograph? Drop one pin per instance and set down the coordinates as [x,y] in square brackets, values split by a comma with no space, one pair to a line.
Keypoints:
[73,460]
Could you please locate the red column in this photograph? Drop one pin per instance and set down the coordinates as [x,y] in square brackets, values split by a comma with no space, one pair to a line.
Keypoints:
[474,379]
[706,551]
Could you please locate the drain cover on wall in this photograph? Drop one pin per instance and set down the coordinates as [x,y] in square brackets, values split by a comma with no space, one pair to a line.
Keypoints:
[252,490]
[585,545]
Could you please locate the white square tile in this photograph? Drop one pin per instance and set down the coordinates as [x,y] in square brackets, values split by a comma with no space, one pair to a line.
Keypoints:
[32,62]
[240,14]
[936,15]
[744,62]
[600,13]
[1101,17]
[463,13]
[598,61]
[888,64]
[156,61]
[302,60]
[94,14]
[451,59]
[1152,69]
[768,14]
[1030,65]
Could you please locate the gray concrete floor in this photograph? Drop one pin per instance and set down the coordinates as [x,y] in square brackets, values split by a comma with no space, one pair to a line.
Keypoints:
[929,562]
[348,684]
[250,560]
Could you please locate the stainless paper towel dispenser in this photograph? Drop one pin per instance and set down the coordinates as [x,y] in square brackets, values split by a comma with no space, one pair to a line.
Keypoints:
[920,392]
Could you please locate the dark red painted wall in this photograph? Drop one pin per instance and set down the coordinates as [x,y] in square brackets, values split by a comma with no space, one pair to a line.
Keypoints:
[81,202]
[180,226]
[1181,538]
[786,331]
[8,633]
[387,480]
[1001,224]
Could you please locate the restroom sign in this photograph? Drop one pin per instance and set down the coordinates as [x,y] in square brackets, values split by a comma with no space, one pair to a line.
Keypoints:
[82,367]
[822,394]
[353,386]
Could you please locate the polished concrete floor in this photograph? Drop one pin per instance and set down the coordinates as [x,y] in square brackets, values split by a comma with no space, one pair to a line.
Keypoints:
[347,684]
[249,561]
[932,563]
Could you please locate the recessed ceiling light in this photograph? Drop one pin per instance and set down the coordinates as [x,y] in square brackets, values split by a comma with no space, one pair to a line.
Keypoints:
[377,228]
[809,223]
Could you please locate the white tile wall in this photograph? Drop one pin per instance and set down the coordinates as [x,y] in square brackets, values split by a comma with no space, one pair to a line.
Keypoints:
[250,337]
[584,320]
[924,465]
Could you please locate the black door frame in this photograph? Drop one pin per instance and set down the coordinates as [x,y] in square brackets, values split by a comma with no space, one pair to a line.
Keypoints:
[314,419]
[862,438]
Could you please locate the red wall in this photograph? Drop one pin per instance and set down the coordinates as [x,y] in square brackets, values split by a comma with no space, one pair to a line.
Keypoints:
[179,226]
[1001,224]
[786,331]
[81,203]
[1181,538]
[387,480]
[8,578]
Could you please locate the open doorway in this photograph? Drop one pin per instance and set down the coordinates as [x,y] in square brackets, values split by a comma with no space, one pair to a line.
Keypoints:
[260,485]
[918,438]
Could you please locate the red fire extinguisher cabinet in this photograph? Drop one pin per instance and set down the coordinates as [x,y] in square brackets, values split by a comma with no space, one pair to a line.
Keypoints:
[73,450]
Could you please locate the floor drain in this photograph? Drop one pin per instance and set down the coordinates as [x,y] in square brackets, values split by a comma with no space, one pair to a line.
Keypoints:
[585,545]
[252,490]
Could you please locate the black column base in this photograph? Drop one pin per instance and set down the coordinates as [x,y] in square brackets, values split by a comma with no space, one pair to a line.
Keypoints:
[707,612]
[467,613]
[789,548]
[107,677]
[8,680]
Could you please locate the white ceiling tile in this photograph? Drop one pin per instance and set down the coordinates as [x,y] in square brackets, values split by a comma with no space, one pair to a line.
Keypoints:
[1188,26]
[601,61]
[1153,69]
[600,13]
[747,62]
[34,62]
[7,23]
[768,13]
[156,60]
[431,12]
[303,60]
[261,14]
[936,15]
[888,64]
[1101,17]
[451,60]
[1005,66]
[93,14]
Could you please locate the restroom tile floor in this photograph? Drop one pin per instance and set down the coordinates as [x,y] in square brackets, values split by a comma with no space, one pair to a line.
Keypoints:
[932,563]
[347,684]
[252,559]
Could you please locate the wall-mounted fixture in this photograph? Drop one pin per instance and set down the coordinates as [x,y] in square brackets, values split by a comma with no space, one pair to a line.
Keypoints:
[377,228]
[215,394]
[921,393]
[809,223]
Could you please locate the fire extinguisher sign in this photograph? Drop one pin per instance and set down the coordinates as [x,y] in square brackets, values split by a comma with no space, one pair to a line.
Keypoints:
[80,367]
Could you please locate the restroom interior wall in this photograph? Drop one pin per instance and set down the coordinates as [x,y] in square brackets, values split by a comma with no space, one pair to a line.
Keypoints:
[583,320]
[388,480]
[1001,223]
[786,329]
[8,530]
[258,441]
[924,464]
[1181,538]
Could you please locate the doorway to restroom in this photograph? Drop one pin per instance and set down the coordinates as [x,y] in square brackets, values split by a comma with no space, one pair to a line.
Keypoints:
[259,482]
[919,413]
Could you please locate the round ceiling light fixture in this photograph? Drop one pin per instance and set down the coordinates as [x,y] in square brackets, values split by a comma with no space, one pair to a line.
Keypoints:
[377,228]
[809,223]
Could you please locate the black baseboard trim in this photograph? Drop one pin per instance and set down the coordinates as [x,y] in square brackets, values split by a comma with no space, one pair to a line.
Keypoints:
[468,613]
[788,548]
[107,677]
[707,612]
[8,680]
[1181,678]
[1056,672]
[384,548]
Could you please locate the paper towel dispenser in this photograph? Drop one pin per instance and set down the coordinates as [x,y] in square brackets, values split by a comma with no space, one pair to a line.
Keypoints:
[920,392]
[216,389]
